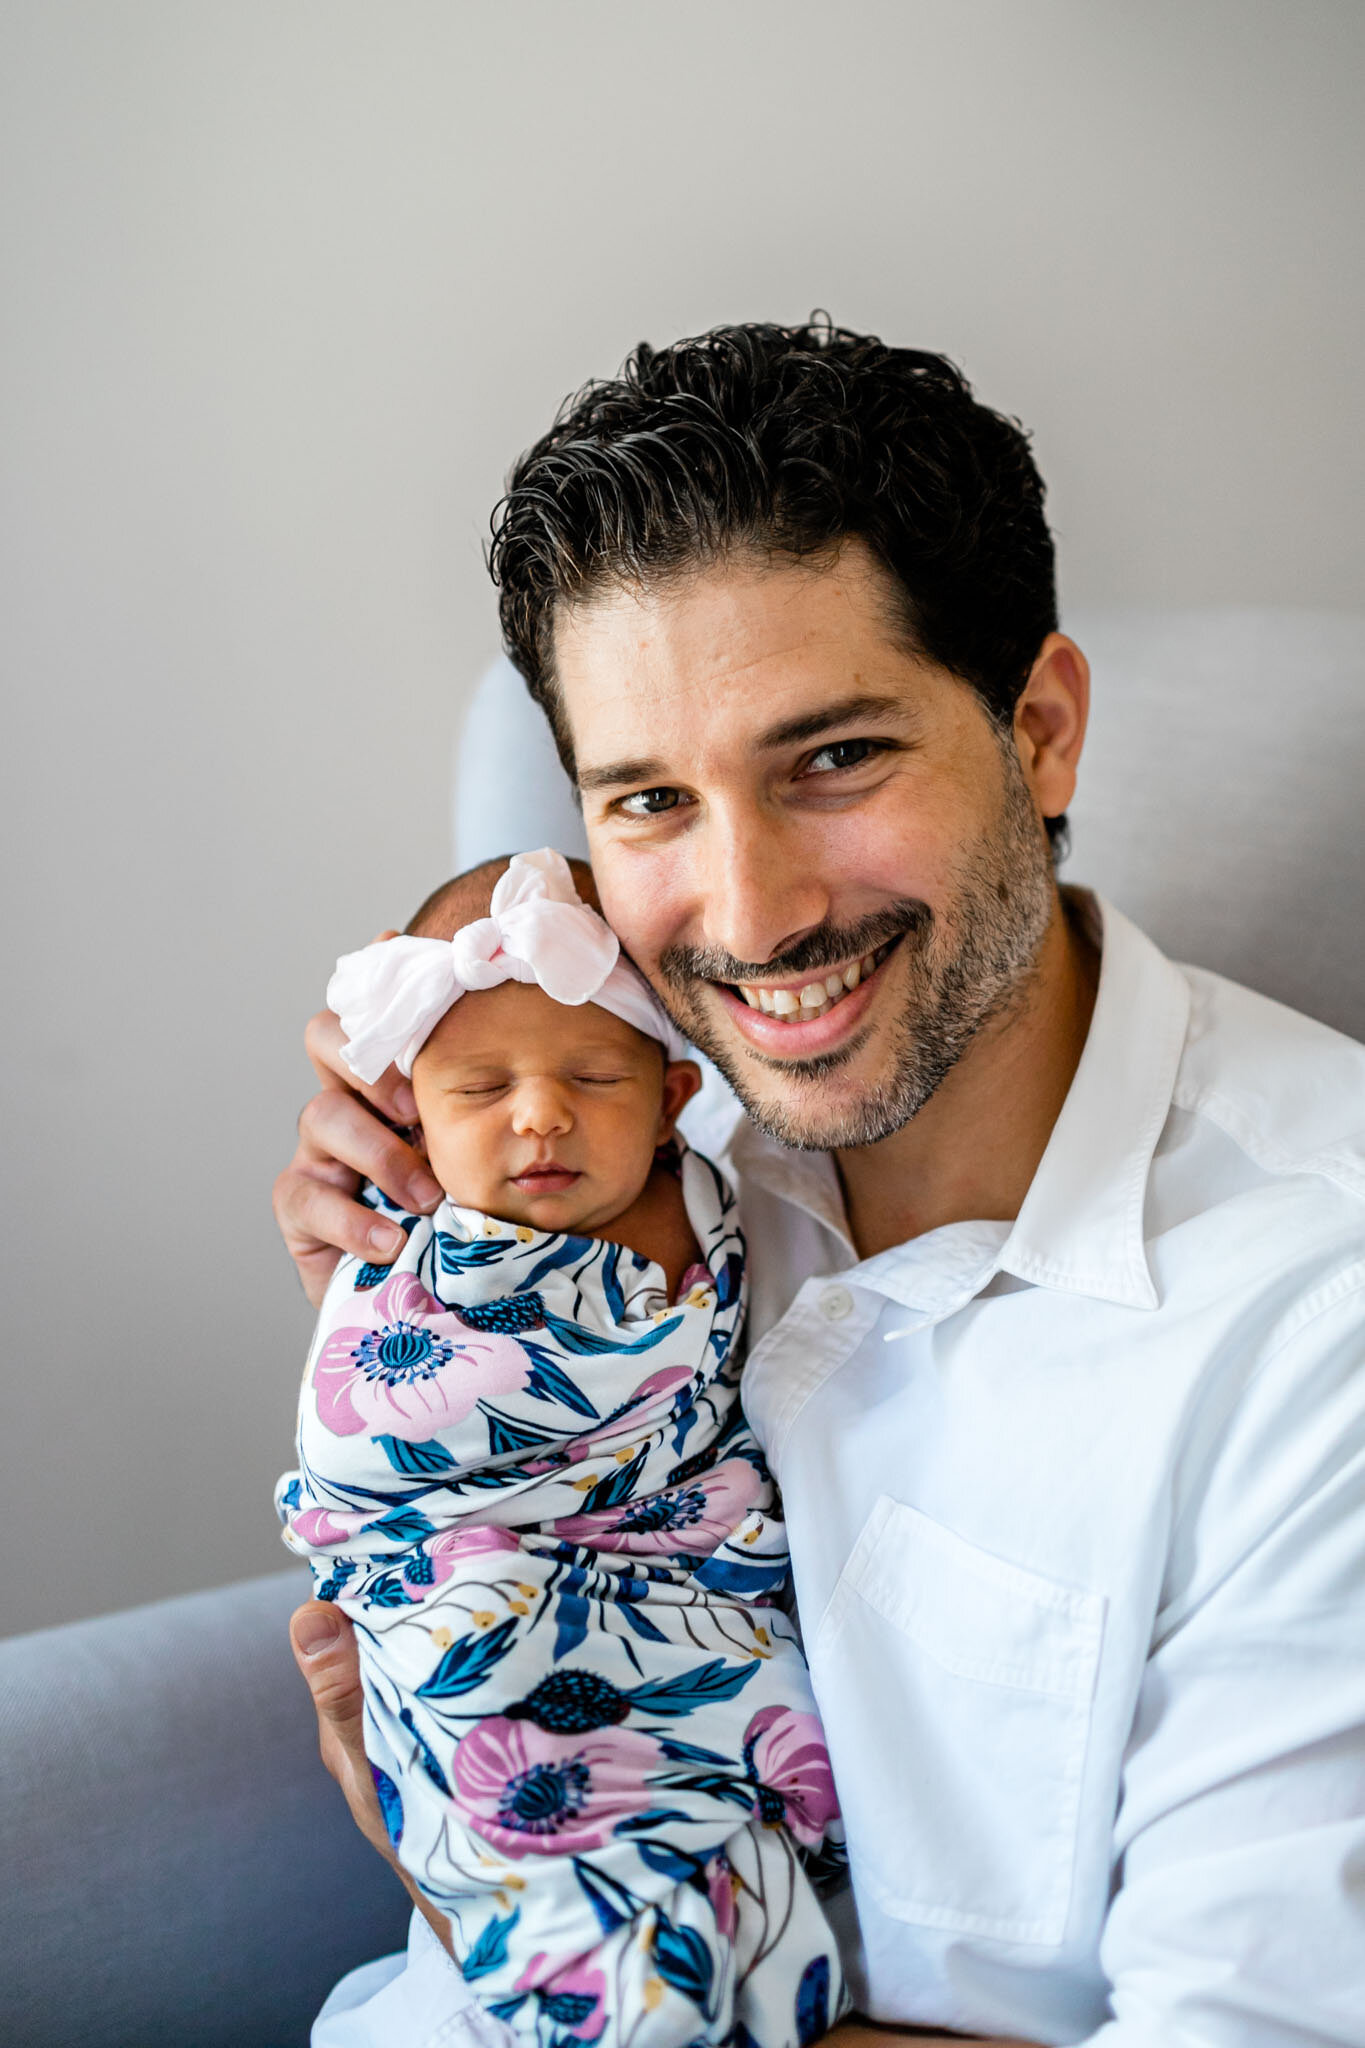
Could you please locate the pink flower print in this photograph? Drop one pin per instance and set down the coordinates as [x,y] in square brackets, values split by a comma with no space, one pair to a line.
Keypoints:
[721,1892]
[413,1369]
[526,1791]
[319,1527]
[658,1391]
[573,1993]
[694,1518]
[471,1540]
[786,1757]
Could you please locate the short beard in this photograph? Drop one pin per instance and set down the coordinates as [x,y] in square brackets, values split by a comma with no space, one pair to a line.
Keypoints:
[966,967]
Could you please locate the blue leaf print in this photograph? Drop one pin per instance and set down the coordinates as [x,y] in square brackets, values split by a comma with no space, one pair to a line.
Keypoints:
[571,1615]
[611,1286]
[370,1276]
[390,1805]
[342,1570]
[468,1662]
[728,1280]
[653,1817]
[567,2008]
[458,1257]
[812,2001]
[613,1904]
[423,1460]
[672,1863]
[490,1950]
[617,1488]
[585,1343]
[425,1751]
[566,1253]
[404,1525]
[386,1591]
[292,1495]
[692,1689]
[726,1575]
[550,1382]
[683,1960]
[508,1437]
[507,2007]
[641,1624]
[692,1753]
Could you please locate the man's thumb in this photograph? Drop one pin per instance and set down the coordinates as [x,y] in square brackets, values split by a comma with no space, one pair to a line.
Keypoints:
[325,1652]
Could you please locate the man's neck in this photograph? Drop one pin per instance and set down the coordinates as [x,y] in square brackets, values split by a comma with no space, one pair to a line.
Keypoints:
[974,1148]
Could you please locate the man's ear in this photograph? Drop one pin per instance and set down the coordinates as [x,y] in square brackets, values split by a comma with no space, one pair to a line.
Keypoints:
[682,1079]
[1050,720]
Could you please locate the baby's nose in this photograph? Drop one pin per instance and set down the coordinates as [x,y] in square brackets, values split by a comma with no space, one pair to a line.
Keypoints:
[540,1107]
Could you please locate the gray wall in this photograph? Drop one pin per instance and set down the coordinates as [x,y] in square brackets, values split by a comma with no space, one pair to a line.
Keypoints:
[284,288]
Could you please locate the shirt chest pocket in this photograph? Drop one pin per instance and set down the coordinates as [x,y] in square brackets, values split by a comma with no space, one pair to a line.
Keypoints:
[956,1694]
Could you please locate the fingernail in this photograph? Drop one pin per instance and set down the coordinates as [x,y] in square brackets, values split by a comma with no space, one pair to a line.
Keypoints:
[404,1104]
[315,1632]
[426,1192]
[386,1239]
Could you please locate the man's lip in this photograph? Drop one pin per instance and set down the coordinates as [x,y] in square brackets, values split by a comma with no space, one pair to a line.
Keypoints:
[801,1041]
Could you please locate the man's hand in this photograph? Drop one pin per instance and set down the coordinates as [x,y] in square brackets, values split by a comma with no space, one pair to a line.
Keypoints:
[345,1137]
[324,1648]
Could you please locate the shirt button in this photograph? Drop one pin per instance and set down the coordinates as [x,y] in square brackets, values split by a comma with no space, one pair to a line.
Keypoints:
[835,1304]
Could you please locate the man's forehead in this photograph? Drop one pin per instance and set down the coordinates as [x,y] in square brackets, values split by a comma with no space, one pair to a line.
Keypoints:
[773,652]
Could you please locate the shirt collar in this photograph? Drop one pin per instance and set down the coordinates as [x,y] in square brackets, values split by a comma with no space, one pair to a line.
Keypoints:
[1080,1229]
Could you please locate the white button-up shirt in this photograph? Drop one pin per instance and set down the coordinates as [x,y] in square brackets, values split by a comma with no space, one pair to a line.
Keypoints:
[1077,1517]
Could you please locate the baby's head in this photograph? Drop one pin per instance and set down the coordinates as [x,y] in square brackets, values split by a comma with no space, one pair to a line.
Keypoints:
[543,1112]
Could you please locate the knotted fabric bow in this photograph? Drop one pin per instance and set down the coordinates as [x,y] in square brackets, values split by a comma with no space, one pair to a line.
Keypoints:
[391,996]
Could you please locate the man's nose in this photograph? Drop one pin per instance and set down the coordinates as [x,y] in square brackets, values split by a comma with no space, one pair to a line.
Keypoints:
[760,888]
[541,1109]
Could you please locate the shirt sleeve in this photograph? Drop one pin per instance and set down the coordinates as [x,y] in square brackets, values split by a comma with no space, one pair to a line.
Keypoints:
[1239,1915]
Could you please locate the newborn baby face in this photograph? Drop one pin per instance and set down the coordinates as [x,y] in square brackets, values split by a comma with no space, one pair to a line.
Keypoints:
[541,1112]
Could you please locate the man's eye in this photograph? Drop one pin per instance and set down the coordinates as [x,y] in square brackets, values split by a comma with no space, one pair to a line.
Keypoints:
[649,803]
[843,754]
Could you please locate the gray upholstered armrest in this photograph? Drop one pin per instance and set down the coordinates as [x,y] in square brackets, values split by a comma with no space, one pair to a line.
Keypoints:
[178,1867]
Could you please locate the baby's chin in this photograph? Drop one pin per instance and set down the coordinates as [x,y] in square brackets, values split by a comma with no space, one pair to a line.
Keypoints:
[575,1211]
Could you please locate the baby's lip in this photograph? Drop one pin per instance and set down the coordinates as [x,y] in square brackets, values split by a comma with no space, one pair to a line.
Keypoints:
[544,1170]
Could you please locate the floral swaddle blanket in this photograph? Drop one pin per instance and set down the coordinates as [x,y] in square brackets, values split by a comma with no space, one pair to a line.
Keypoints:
[525,1476]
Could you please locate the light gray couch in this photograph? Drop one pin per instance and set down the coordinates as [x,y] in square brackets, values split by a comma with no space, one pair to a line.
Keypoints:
[178,1870]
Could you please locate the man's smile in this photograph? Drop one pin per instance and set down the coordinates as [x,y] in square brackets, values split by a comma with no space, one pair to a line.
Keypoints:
[809,1016]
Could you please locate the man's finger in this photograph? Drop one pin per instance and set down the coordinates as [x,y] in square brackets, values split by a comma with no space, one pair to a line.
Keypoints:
[325,1652]
[391,1095]
[336,1129]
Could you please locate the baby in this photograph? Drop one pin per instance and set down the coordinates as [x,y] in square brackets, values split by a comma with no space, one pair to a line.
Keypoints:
[525,1476]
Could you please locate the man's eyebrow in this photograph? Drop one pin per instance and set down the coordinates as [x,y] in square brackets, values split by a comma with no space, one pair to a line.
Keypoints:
[844,711]
[789,732]
[617,772]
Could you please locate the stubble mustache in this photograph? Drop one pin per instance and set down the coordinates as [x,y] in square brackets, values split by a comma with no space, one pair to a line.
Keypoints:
[827,947]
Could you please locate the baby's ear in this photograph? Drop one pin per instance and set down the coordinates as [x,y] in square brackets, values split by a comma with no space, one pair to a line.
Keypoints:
[682,1079]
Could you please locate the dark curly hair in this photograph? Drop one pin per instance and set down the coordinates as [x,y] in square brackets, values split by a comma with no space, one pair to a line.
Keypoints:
[785,440]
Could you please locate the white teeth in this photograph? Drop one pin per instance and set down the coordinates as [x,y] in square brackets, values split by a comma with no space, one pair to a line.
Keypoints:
[816,997]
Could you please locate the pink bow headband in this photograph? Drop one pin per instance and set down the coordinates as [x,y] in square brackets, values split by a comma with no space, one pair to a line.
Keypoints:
[391,996]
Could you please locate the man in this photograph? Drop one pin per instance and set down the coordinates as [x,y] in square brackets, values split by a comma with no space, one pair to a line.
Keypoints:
[1058,1250]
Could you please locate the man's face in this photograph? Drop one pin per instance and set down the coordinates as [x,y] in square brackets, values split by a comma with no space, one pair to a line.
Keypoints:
[816,844]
